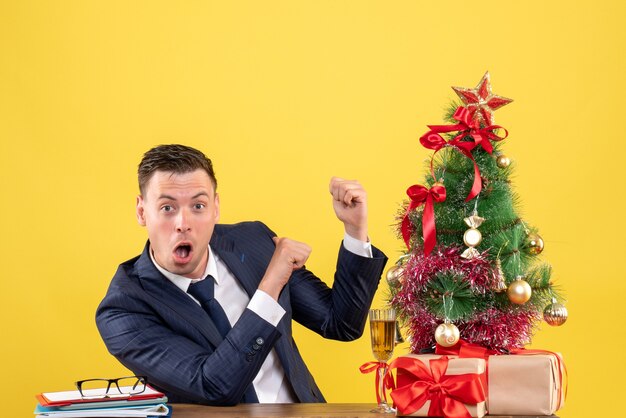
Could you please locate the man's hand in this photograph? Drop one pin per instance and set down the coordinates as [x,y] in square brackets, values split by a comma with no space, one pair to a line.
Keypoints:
[350,204]
[289,255]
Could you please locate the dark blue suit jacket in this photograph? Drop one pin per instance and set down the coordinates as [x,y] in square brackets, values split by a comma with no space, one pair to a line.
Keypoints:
[157,330]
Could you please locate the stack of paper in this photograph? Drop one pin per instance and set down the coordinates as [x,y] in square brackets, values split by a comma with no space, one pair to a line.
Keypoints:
[71,404]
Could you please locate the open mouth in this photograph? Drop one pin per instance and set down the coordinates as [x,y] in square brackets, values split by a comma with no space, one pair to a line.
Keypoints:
[182,252]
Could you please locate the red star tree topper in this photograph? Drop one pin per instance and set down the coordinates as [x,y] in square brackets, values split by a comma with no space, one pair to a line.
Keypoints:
[480,101]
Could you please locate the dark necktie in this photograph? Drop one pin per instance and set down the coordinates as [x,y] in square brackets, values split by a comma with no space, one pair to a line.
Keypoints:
[203,292]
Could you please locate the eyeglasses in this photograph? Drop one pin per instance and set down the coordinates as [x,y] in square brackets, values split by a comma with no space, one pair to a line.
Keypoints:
[111,388]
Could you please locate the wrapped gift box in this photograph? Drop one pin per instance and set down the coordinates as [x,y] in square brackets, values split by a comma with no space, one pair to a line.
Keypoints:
[525,384]
[474,368]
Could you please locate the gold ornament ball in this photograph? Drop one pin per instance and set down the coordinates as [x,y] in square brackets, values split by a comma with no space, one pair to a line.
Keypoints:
[519,292]
[447,335]
[503,161]
[533,244]
[472,237]
[394,274]
[555,314]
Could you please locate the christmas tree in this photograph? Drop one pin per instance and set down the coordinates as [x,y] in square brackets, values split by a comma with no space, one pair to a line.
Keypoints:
[472,267]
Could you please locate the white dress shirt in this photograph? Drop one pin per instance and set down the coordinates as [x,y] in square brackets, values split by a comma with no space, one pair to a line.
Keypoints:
[270,383]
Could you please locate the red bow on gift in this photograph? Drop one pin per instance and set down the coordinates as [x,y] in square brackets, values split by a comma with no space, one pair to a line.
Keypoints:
[467,127]
[447,394]
[421,195]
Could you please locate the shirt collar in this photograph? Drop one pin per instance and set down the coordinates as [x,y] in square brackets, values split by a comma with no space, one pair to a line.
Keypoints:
[182,282]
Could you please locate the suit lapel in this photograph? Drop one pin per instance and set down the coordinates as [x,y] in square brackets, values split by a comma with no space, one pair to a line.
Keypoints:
[165,292]
[235,260]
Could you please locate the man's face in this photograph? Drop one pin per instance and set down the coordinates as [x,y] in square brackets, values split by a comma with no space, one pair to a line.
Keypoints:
[179,212]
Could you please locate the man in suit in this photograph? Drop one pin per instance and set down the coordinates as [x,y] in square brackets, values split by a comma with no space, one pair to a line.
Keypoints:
[205,311]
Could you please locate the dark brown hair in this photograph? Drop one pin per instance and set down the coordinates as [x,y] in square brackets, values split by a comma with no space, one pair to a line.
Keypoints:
[173,158]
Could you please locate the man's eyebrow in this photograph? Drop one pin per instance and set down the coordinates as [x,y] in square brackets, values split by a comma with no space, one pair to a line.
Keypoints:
[166,196]
[200,194]
[197,195]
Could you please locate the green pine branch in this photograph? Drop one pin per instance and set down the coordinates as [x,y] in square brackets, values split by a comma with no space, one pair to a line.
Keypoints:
[449,296]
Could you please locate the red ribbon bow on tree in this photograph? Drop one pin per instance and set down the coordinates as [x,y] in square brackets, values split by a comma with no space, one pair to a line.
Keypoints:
[421,195]
[467,127]
[447,394]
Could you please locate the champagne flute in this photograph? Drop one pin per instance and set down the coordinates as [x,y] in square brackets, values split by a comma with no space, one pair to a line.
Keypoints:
[383,331]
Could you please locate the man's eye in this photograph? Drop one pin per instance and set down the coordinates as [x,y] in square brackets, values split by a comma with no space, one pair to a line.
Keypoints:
[199,206]
[167,208]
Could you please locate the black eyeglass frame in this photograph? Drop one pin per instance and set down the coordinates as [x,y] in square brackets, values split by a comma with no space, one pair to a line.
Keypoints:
[143,380]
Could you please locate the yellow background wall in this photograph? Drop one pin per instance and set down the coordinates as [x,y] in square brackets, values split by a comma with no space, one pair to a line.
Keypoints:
[283,95]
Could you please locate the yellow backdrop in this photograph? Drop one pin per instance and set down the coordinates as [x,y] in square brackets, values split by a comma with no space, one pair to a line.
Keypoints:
[283,95]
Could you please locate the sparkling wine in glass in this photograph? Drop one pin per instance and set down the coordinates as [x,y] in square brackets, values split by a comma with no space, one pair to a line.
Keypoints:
[383,331]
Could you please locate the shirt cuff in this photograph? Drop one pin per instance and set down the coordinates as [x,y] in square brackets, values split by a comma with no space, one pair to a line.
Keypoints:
[356,246]
[266,307]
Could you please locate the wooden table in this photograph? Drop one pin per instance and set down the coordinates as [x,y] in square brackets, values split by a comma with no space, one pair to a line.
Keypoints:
[292,410]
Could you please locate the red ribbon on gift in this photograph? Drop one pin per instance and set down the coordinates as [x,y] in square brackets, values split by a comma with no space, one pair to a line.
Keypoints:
[388,383]
[481,137]
[465,350]
[421,195]
[447,394]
